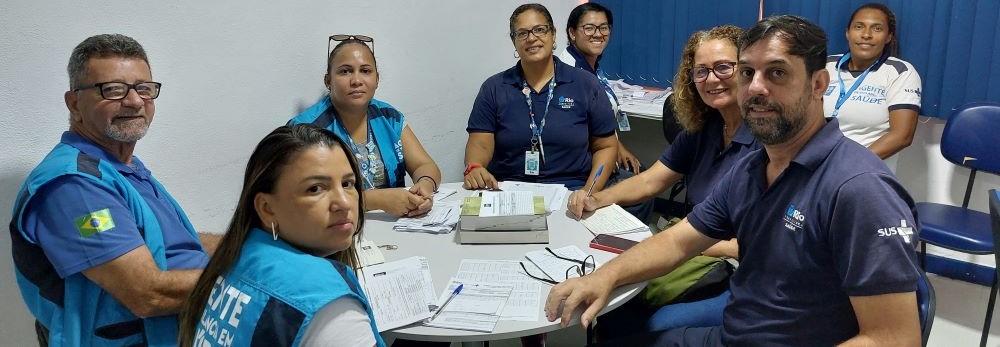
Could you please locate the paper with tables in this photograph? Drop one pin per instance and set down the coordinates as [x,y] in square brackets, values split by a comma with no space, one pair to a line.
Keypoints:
[554,194]
[524,299]
[440,220]
[400,292]
[506,203]
[477,307]
[555,268]
[612,220]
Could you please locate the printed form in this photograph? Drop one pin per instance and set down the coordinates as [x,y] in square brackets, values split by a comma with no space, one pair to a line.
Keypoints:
[524,301]
[496,204]
[477,308]
[400,292]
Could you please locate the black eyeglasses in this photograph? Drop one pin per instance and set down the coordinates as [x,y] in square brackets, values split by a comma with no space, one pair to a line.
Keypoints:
[538,31]
[591,29]
[581,268]
[119,90]
[366,39]
[721,70]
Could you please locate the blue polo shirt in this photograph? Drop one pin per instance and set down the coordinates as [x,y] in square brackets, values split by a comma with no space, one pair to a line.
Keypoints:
[701,157]
[579,110]
[49,218]
[834,224]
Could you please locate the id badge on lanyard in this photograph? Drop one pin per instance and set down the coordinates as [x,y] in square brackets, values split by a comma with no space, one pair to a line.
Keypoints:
[845,94]
[534,158]
[620,116]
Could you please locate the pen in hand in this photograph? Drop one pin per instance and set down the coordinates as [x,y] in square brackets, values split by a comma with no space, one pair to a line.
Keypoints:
[446,302]
[597,175]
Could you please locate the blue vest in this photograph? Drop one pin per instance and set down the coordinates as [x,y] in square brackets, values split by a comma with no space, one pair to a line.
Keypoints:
[75,310]
[387,126]
[270,295]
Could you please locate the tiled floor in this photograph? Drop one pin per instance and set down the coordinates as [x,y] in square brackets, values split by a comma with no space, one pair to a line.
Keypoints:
[961,307]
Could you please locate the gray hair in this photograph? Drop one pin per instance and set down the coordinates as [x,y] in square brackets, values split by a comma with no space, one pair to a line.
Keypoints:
[101,46]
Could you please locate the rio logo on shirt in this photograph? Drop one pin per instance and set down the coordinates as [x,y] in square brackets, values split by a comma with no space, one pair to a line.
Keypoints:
[793,218]
[221,316]
[565,102]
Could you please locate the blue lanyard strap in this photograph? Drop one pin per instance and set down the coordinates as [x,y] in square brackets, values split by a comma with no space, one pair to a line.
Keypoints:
[607,85]
[367,167]
[536,130]
[844,94]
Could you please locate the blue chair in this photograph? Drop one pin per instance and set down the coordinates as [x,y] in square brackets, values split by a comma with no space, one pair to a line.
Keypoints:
[969,140]
[995,217]
[926,304]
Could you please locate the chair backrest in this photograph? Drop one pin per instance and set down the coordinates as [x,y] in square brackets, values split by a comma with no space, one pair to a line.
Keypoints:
[669,122]
[970,137]
[926,305]
[994,202]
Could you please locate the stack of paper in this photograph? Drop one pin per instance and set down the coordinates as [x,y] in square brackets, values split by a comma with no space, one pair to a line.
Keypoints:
[400,292]
[477,307]
[554,267]
[554,194]
[369,254]
[524,300]
[440,220]
[612,219]
[443,193]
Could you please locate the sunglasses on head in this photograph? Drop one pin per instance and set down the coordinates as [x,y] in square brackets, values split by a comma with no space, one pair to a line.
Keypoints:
[341,37]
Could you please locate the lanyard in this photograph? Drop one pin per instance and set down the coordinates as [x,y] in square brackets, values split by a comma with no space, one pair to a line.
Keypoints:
[607,85]
[536,130]
[367,167]
[846,93]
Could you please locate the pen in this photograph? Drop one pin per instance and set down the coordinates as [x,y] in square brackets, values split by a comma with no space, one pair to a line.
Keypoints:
[453,295]
[596,175]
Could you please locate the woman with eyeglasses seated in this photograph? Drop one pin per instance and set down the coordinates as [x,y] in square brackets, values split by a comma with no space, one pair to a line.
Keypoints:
[283,273]
[874,95]
[541,120]
[714,139]
[589,29]
[376,132]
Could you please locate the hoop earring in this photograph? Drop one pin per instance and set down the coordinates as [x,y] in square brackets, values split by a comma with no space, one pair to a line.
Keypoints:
[516,56]
[274,232]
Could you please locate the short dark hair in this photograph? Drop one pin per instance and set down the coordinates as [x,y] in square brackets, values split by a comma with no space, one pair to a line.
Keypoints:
[341,45]
[524,8]
[804,39]
[890,18]
[582,9]
[101,46]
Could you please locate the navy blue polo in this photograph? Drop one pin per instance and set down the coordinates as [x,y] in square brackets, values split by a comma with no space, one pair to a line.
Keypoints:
[701,157]
[834,224]
[51,215]
[579,110]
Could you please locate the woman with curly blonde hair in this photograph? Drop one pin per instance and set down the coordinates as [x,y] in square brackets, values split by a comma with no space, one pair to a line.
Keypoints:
[712,141]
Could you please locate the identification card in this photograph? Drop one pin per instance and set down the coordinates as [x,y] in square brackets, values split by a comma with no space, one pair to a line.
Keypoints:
[532,161]
[623,124]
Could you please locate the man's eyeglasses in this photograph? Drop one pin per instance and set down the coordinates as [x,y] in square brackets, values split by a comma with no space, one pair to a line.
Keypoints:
[538,31]
[721,70]
[591,29]
[119,90]
[338,38]
[580,268]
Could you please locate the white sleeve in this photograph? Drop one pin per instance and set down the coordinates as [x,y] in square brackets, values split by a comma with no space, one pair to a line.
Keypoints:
[342,322]
[904,91]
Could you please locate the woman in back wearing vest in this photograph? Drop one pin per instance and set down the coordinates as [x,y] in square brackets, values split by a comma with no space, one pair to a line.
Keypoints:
[282,275]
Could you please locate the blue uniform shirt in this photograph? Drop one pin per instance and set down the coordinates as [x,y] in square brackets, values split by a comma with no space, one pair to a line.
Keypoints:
[579,110]
[49,219]
[834,224]
[701,158]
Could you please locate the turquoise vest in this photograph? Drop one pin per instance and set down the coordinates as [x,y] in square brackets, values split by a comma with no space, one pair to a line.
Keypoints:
[76,311]
[387,126]
[271,294]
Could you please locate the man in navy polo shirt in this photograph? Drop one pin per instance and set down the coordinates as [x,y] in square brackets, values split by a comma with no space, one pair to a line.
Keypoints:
[103,255]
[826,233]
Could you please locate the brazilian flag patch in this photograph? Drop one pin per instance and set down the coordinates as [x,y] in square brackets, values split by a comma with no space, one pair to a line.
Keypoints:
[95,222]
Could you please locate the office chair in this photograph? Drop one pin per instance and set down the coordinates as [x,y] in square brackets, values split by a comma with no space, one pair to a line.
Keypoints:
[995,222]
[926,304]
[969,140]
[671,128]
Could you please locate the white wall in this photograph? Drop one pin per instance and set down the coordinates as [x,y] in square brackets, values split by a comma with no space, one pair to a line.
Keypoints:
[232,72]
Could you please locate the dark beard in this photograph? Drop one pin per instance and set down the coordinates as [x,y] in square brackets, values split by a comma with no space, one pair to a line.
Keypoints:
[776,130]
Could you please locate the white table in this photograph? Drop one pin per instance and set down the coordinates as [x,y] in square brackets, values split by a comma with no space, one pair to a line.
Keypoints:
[444,253]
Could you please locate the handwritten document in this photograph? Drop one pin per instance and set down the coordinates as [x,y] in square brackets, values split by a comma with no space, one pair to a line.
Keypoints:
[400,292]
[524,301]
[477,308]
[612,219]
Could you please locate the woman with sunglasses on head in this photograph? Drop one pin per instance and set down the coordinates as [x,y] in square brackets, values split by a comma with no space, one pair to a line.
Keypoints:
[376,132]
[874,95]
[541,120]
[589,29]
[713,139]
[283,273]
